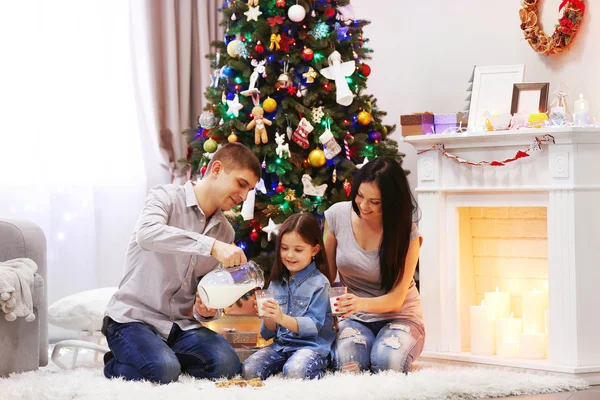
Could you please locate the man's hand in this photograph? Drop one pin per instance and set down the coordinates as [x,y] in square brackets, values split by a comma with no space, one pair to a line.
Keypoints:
[202,310]
[227,254]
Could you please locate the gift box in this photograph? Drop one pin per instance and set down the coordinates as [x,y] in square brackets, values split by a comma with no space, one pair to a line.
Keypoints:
[451,120]
[417,124]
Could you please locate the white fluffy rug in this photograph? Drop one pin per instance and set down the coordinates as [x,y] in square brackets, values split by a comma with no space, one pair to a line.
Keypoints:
[427,381]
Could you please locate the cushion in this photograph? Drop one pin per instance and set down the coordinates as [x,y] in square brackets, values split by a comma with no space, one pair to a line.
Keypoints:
[81,311]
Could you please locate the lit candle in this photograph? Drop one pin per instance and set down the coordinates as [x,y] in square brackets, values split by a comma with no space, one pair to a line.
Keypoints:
[534,304]
[499,303]
[508,332]
[581,110]
[483,330]
[533,346]
[537,120]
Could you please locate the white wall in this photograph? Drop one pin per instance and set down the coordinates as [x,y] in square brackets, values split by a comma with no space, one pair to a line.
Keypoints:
[425,52]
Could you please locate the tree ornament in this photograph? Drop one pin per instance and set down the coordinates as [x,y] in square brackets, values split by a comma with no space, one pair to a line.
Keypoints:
[203,169]
[306,163]
[291,90]
[253,13]
[283,149]
[338,71]
[290,195]
[350,139]
[254,236]
[347,146]
[300,135]
[271,229]
[302,90]
[330,12]
[258,123]
[234,106]
[269,105]
[364,118]
[296,13]
[316,158]
[280,188]
[310,75]
[259,48]
[347,188]
[275,40]
[283,81]
[233,17]
[259,70]
[332,148]
[317,114]
[264,163]
[210,146]
[365,70]
[375,137]
[280,3]
[207,120]
[310,189]
[334,176]
[320,31]
[233,48]
[308,54]
[232,138]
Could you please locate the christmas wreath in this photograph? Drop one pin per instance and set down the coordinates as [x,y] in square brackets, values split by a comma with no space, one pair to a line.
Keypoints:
[565,31]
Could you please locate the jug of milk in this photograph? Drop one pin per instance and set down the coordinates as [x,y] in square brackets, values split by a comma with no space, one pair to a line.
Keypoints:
[222,286]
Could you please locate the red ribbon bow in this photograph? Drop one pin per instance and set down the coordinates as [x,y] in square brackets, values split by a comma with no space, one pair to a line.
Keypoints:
[577,3]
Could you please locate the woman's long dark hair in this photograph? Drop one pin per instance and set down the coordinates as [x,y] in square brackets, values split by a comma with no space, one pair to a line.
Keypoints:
[307,227]
[397,206]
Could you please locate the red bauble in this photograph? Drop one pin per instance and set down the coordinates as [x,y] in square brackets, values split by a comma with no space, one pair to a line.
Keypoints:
[306,164]
[203,170]
[280,3]
[259,48]
[330,12]
[365,70]
[238,87]
[308,54]
[279,188]
[254,236]
[347,188]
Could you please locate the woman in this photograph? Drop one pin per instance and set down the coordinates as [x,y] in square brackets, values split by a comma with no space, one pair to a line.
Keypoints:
[373,244]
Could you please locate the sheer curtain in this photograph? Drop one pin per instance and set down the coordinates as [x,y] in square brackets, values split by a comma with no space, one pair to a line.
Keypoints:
[70,144]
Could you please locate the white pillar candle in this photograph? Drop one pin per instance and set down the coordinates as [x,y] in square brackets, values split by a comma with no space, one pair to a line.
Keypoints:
[534,304]
[533,346]
[483,330]
[499,303]
[508,332]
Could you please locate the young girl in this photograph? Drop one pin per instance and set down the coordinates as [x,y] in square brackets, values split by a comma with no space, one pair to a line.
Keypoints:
[300,317]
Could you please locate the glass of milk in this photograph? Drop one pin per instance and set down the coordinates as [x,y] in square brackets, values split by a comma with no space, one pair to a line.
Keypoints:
[334,293]
[261,297]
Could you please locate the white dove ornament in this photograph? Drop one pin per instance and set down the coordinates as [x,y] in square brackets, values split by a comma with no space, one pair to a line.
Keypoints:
[338,71]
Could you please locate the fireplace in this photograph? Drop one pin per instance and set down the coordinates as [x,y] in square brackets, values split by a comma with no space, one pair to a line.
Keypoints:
[530,229]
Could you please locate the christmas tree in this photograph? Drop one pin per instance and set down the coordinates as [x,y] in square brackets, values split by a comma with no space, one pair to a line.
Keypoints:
[288,82]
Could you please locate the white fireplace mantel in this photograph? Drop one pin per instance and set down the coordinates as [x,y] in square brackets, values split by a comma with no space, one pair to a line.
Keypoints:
[565,178]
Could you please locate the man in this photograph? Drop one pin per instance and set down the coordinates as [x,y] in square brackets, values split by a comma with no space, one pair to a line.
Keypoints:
[180,236]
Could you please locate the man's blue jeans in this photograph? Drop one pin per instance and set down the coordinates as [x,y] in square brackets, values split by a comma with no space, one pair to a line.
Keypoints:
[140,354]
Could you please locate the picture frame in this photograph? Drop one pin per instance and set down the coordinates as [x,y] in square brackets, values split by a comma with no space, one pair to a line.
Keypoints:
[530,98]
[492,91]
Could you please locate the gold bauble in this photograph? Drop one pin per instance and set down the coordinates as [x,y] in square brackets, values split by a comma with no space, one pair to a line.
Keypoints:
[316,158]
[232,138]
[269,105]
[384,130]
[364,118]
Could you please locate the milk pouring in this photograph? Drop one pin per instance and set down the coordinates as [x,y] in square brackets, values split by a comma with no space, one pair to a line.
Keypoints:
[222,286]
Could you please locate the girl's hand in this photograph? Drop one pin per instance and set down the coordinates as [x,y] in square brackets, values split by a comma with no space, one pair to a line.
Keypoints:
[273,311]
[202,310]
[347,304]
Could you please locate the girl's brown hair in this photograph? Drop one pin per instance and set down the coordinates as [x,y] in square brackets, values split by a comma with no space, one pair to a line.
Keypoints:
[307,227]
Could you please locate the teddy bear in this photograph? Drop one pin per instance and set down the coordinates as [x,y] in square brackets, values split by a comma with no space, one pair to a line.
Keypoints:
[258,123]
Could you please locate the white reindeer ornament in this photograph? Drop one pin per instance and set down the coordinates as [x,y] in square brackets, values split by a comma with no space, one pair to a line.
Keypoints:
[282,147]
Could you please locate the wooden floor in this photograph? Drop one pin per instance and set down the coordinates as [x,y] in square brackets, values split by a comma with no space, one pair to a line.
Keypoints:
[592,394]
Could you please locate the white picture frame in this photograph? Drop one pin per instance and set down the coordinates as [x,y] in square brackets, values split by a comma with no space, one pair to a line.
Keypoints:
[492,91]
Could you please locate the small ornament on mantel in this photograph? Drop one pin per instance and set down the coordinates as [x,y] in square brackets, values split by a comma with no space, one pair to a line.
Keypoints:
[558,111]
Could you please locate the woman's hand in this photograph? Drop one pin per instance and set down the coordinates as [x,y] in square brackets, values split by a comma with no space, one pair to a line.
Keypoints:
[273,311]
[202,310]
[347,304]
